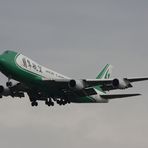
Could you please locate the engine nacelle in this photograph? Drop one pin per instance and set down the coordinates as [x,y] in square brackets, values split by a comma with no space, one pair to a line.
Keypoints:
[76,84]
[7,92]
[4,91]
[120,84]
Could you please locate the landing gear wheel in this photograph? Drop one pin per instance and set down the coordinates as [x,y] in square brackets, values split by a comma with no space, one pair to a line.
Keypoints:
[68,102]
[34,104]
[49,103]
[61,102]
[58,101]
[52,103]
[9,84]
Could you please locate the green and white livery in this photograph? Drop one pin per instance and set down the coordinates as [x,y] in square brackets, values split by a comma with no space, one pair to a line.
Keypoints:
[43,84]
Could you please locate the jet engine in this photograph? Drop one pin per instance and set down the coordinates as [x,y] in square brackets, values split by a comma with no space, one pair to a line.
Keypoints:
[76,84]
[121,84]
[8,92]
[5,91]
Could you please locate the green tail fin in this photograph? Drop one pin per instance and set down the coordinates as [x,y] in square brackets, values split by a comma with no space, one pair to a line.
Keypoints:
[105,73]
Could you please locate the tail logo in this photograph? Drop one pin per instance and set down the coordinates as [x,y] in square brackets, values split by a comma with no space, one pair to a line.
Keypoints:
[107,75]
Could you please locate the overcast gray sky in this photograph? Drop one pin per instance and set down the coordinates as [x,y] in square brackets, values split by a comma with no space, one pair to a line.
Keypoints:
[77,38]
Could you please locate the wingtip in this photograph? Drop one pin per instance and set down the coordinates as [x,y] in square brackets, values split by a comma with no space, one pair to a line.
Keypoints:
[139,94]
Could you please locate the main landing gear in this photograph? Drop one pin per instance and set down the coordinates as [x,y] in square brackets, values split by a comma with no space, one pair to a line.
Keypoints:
[63,102]
[34,103]
[49,102]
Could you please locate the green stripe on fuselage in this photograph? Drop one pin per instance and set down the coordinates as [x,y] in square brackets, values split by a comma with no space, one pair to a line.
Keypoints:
[12,70]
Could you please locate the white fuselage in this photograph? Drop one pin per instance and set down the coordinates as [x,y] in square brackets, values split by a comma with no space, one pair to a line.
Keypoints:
[27,64]
[47,74]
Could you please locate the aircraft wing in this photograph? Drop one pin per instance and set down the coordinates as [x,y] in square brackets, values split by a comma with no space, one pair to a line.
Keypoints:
[136,79]
[80,93]
[123,84]
[107,82]
[116,96]
[19,87]
[68,83]
[104,84]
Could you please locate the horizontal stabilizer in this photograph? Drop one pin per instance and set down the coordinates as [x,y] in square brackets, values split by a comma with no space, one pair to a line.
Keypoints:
[116,96]
[137,79]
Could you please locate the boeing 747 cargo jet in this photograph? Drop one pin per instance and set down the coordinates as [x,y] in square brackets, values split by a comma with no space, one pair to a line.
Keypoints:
[43,84]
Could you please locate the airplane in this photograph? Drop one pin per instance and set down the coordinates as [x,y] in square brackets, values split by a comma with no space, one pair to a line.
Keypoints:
[43,84]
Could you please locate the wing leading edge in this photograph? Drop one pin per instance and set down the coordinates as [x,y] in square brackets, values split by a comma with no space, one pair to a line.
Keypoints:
[105,84]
